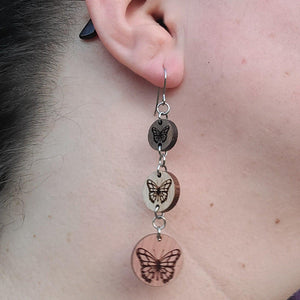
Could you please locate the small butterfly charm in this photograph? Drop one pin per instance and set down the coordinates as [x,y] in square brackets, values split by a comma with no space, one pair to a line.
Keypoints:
[158,193]
[153,268]
[160,136]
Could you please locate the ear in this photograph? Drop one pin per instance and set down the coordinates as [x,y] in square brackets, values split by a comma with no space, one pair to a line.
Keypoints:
[143,35]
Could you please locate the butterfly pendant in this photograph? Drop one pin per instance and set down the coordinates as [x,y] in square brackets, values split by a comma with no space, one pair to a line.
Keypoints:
[162,135]
[158,193]
[153,268]
[162,191]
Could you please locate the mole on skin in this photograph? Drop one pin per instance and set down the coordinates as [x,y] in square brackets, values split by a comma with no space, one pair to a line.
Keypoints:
[244,61]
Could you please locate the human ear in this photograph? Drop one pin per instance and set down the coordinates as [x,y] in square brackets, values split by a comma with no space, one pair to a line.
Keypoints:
[142,35]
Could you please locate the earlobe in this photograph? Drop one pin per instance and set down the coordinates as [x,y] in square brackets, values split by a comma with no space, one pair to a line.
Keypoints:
[137,35]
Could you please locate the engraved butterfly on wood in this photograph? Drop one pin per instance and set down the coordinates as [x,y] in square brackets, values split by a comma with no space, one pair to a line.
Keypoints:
[158,193]
[160,136]
[157,269]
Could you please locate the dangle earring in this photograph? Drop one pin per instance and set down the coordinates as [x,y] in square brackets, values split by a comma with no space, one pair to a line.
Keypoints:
[157,258]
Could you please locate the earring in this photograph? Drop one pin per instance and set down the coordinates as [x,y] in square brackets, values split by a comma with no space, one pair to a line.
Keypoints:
[88,32]
[157,258]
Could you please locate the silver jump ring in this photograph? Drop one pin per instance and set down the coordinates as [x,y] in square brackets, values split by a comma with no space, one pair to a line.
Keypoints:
[164,113]
[162,155]
[161,164]
[161,160]
[158,170]
[160,152]
[159,227]
[159,216]
[157,207]
[156,211]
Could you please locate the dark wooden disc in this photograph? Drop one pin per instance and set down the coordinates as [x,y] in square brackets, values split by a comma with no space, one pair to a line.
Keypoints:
[157,263]
[163,191]
[163,132]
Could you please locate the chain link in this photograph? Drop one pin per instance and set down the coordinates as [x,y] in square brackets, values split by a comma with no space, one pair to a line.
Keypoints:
[163,112]
[159,216]
[161,160]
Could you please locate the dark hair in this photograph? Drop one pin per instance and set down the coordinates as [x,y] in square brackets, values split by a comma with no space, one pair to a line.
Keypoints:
[32,32]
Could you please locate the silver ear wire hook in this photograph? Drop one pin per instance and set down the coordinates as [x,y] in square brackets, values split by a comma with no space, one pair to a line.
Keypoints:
[163,94]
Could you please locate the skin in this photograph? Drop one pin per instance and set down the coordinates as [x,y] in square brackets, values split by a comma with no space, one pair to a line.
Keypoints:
[237,161]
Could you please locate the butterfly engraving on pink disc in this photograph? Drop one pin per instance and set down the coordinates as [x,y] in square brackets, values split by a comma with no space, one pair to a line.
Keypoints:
[162,269]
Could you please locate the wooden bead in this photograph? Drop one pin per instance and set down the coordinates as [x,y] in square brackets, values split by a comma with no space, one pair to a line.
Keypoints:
[157,263]
[162,133]
[163,191]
